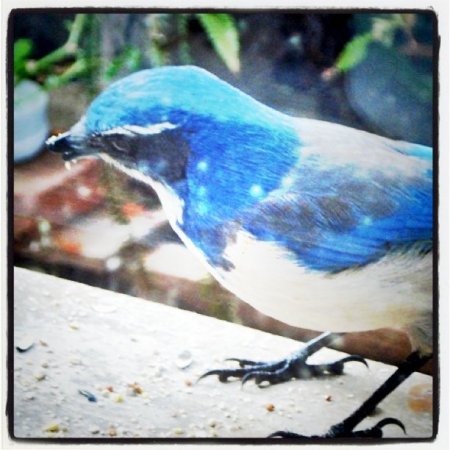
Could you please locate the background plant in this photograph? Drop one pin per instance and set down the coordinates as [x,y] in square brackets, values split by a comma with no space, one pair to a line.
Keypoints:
[50,68]
[73,60]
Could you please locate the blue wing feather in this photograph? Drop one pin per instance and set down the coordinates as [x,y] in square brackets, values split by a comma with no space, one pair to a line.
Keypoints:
[344,217]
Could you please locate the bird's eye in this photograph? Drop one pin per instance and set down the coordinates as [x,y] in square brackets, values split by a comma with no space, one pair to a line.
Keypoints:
[96,141]
[119,146]
[110,142]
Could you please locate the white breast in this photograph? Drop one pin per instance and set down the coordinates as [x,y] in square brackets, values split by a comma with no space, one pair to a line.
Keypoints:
[394,292]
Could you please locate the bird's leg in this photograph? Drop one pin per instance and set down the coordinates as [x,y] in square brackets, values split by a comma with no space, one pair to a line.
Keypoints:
[345,429]
[294,366]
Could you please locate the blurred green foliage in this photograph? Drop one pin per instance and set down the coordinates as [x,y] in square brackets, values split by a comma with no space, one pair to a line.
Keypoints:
[395,36]
[224,36]
[49,68]
[76,57]
[354,52]
[221,30]
[22,51]
[376,28]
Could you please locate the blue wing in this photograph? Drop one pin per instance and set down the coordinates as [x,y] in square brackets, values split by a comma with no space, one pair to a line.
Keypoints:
[337,216]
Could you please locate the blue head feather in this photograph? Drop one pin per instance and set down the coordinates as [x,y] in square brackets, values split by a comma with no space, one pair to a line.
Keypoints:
[179,95]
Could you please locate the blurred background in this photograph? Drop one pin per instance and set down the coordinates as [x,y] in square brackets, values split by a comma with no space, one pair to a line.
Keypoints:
[93,225]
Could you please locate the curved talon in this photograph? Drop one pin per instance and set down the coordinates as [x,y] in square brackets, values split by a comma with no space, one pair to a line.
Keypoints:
[245,362]
[356,358]
[390,421]
[337,368]
[340,430]
[222,374]
[287,434]
[207,374]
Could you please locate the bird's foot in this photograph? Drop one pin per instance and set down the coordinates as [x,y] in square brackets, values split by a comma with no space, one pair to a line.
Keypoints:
[345,429]
[341,430]
[280,371]
[286,369]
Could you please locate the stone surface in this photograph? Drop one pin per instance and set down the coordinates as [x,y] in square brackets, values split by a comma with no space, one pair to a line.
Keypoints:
[103,364]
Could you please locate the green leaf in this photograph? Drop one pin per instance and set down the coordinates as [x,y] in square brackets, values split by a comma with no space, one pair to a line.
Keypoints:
[224,36]
[354,52]
[22,51]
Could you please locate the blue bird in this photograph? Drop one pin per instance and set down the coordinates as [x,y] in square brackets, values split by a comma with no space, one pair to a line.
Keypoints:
[315,224]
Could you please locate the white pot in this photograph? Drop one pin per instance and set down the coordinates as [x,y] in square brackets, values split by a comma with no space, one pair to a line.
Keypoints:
[31,126]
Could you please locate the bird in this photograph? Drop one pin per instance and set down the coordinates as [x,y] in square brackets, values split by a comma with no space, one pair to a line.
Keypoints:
[313,223]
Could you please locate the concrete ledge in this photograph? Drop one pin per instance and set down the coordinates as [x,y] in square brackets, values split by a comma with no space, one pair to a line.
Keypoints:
[140,361]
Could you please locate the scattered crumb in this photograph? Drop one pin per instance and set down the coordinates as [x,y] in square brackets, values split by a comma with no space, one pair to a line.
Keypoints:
[39,376]
[53,428]
[135,388]
[112,431]
[270,407]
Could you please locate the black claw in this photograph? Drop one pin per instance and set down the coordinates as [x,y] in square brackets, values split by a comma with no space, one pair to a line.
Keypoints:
[354,358]
[390,421]
[207,374]
[287,435]
[222,374]
[337,368]
[245,362]
[342,431]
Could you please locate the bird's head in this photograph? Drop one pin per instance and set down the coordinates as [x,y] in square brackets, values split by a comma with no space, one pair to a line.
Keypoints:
[182,126]
[145,120]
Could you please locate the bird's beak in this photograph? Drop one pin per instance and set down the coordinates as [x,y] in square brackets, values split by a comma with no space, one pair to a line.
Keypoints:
[72,144]
[63,145]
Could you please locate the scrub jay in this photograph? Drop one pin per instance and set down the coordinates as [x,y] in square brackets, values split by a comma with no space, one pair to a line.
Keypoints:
[313,223]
